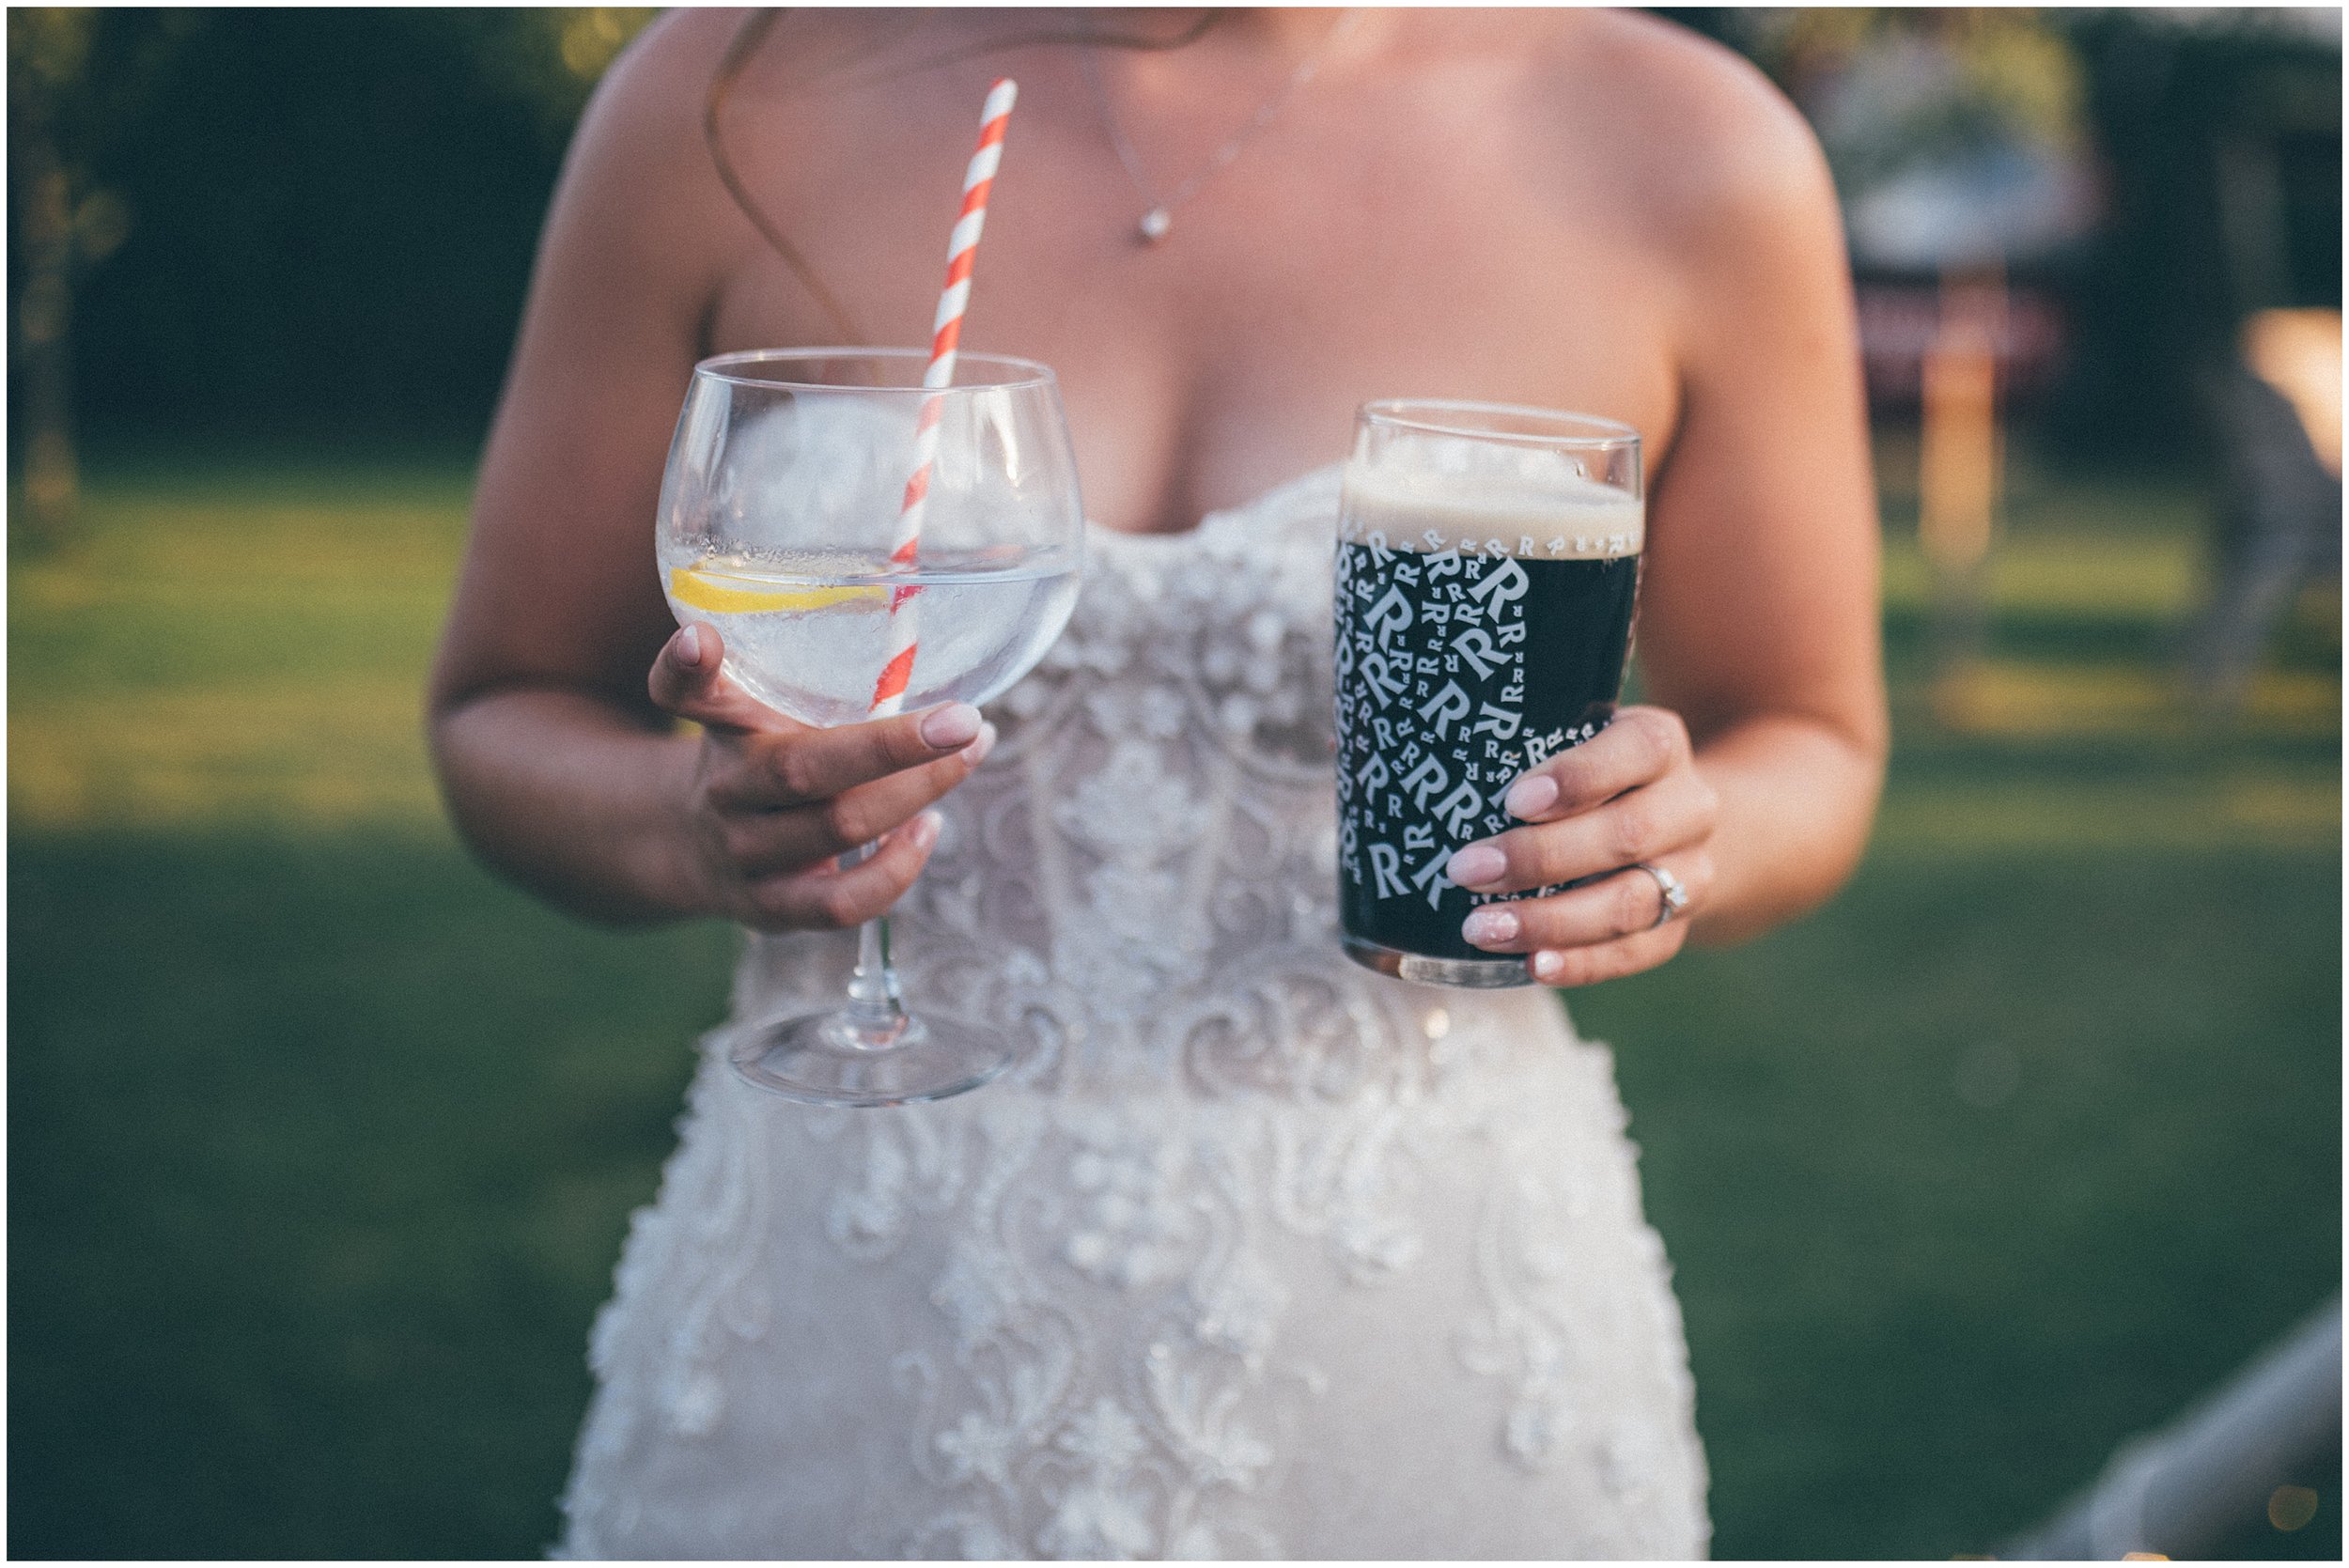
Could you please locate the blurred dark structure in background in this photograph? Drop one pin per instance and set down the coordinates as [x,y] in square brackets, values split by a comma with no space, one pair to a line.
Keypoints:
[2210,141]
[2114,232]
[288,191]
[2221,132]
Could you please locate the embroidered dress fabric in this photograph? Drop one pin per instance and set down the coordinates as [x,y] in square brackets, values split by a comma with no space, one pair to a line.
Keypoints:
[1259,1256]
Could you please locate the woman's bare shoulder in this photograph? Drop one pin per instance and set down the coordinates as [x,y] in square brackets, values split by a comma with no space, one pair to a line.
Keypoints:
[655,90]
[1711,143]
[638,153]
[651,112]
[642,196]
[652,105]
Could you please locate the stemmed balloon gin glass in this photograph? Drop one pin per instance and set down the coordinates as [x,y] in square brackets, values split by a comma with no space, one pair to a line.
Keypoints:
[864,544]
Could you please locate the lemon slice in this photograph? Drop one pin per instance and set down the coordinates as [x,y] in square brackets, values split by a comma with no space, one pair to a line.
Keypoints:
[691,586]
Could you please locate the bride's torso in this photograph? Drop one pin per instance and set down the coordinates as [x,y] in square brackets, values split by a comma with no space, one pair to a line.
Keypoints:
[1258,1254]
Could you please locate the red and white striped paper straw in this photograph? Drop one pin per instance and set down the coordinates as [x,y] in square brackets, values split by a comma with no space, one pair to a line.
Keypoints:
[945,334]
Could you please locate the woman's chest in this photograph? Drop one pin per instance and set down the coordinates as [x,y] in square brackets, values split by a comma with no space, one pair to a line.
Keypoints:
[1344,260]
[1218,637]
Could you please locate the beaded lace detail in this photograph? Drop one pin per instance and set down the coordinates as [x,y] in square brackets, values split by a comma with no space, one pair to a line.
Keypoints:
[1258,1254]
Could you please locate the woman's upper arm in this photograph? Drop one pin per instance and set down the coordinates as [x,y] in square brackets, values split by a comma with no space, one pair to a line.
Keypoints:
[558,586]
[1763,544]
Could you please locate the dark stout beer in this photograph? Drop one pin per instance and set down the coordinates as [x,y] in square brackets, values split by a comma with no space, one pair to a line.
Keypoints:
[1483,625]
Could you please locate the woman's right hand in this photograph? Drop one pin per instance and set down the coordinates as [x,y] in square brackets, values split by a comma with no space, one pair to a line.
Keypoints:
[772,804]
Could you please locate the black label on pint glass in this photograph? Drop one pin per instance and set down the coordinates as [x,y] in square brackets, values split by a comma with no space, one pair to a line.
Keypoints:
[1460,665]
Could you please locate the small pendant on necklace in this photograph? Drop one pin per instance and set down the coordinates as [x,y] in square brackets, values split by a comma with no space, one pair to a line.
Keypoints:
[1155,223]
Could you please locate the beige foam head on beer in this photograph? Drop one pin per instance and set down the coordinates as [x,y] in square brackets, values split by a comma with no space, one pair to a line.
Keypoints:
[1532,504]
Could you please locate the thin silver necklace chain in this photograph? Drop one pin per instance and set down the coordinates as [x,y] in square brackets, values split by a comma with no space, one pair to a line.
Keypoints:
[1159,221]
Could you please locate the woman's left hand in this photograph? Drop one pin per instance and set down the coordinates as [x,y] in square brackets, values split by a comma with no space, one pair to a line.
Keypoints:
[1630,796]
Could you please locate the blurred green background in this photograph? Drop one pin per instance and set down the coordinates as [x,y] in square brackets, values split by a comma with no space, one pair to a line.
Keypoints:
[322,1142]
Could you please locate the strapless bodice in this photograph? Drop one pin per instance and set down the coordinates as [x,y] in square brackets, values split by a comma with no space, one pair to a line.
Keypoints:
[1145,868]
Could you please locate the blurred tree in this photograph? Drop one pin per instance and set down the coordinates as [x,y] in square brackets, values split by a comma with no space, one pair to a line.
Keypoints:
[335,211]
[74,79]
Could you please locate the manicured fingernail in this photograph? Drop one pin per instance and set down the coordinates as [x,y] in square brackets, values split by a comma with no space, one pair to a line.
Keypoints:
[1476,865]
[1490,925]
[1530,794]
[952,725]
[926,827]
[978,749]
[689,646]
[1547,965]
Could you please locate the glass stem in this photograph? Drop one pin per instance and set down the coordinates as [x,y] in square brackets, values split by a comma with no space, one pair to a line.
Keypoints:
[876,1013]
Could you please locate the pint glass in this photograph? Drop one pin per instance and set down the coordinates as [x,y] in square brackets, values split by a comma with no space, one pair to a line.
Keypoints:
[1487,567]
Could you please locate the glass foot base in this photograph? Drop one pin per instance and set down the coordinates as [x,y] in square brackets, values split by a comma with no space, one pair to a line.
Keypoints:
[1483,974]
[824,1059]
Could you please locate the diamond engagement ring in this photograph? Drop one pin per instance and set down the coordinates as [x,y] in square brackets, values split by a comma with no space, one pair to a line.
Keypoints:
[1675,897]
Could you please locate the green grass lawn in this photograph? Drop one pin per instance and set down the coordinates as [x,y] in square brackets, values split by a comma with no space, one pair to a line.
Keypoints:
[322,1142]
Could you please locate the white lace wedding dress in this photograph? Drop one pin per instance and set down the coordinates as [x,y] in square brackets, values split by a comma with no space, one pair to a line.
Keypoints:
[1261,1255]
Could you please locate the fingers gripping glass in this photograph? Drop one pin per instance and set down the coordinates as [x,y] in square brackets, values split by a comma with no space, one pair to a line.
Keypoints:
[865,545]
[1489,565]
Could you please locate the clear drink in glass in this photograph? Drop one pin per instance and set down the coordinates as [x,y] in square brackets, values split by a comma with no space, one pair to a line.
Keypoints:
[780,527]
